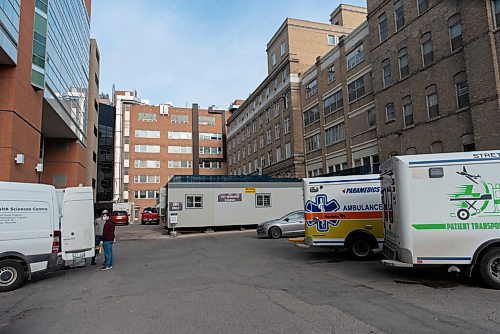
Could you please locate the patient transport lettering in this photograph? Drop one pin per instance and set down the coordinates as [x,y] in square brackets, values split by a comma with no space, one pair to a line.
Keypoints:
[344,211]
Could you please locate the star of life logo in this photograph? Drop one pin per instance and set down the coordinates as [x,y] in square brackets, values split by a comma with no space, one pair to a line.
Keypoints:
[322,204]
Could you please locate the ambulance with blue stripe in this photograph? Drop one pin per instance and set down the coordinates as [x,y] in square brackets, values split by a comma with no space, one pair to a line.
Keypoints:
[344,211]
[444,210]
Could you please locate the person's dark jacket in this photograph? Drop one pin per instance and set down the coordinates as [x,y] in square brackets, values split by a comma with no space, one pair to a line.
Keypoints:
[108,233]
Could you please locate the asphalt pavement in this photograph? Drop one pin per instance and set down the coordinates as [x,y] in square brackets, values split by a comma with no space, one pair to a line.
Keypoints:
[232,282]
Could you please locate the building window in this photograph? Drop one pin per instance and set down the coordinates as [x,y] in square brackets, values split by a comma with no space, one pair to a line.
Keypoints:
[194,201]
[179,119]
[147,117]
[408,111]
[261,141]
[269,136]
[333,103]
[372,118]
[390,112]
[335,134]
[311,88]
[210,136]
[387,73]
[311,115]
[249,149]
[282,49]
[355,57]
[278,154]
[288,150]
[180,149]
[179,135]
[146,163]
[496,12]
[422,6]
[455,33]
[383,29]
[262,200]
[59,181]
[147,134]
[179,164]
[286,126]
[399,15]
[269,158]
[210,165]
[277,131]
[331,74]
[147,149]
[432,101]
[427,50]
[255,145]
[210,150]
[411,151]
[274,59]
[146,194]
[206,120]
[462,94]
[404,68]
[437,147]
[468,143]
[356,89]
[146,178]
[332,40]
[313,143]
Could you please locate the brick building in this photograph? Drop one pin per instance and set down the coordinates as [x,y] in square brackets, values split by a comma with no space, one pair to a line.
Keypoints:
[44,85]
[265,135]
[153,143]
[339,109]
[435,75]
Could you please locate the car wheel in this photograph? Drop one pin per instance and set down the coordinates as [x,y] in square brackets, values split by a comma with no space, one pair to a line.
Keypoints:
[11,275]
[142,222]
[490,268]
[359,248]
[275,232]
[157,222]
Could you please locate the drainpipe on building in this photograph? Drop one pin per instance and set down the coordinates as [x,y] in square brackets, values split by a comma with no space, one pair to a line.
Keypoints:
[196,139]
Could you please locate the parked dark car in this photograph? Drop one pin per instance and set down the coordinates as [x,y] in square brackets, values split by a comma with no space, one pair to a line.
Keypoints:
[150,215]
[120,217]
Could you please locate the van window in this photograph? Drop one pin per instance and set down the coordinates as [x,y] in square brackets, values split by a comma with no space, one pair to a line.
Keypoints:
[436,173]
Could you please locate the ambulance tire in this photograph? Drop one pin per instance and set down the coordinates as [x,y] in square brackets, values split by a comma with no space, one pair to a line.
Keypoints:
[275,232]
[489,267]
[12,275]
[360,247]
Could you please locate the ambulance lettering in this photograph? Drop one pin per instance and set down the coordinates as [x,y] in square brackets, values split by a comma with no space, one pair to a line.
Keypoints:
[321,204]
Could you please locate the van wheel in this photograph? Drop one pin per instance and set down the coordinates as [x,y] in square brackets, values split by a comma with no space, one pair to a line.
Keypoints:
[359,248]
[490,268]
[11,275]
[275,232]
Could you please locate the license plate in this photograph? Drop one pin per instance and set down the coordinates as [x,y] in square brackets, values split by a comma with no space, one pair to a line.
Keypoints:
[78,256]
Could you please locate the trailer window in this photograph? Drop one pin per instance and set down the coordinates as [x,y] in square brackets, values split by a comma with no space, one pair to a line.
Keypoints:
[262,200]
[194,201]
[436,173]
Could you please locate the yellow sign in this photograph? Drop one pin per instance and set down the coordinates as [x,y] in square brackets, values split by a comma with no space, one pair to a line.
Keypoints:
[250,190]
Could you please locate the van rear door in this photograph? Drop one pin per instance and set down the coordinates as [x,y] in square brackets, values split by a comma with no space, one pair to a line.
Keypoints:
[77,223]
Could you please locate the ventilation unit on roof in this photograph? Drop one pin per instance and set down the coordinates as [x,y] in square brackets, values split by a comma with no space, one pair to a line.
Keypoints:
[164,109]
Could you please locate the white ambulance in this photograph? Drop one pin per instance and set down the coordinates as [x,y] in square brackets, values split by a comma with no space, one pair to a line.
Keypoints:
[344,211]
[40,228]
[444,209]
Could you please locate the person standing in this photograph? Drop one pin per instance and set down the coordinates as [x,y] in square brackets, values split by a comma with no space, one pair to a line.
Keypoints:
[108,237]
[98,227]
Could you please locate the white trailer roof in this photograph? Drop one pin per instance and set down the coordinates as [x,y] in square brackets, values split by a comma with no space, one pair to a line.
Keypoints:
[26,186]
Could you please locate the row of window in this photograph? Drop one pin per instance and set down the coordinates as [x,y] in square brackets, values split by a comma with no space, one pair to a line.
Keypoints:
[154,134]
[399,18]
[146,194]
[196,201]
[146,178]
[278,154]
[277,129]
[432,101]
[189,149]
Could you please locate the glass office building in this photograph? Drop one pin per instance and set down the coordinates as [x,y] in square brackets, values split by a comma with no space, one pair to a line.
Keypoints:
[9,31]
[66,69]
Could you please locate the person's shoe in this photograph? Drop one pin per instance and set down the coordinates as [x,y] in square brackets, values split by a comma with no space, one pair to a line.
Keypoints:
[106,268]
[92,263]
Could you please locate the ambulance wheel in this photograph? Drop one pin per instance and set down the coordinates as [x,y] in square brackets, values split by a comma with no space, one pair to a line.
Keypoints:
[11,275]
[359,248]
[490,268]
[463,214]
[275,232]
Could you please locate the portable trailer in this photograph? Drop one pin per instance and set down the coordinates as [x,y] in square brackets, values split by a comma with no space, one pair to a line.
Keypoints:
[444,209]
[212,201]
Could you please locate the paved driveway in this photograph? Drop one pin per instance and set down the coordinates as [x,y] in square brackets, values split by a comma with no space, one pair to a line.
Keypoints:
[235,283]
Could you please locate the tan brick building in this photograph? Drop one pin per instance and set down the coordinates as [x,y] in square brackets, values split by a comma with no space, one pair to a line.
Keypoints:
[338,108]
[435,74]
[265,135]
[153,143]
[44,93]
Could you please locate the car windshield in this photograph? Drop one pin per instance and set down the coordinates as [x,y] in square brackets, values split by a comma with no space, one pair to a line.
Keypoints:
[119,213]
[150,210]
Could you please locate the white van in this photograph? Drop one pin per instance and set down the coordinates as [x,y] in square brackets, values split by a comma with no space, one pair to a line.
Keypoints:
[444,209]
[39,228]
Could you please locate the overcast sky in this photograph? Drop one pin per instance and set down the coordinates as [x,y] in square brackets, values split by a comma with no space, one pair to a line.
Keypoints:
[209,52]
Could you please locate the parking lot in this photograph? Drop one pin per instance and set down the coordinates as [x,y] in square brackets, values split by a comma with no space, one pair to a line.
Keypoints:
[232,282]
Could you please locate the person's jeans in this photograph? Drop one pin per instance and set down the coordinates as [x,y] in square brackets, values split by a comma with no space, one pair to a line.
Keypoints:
[108,253]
